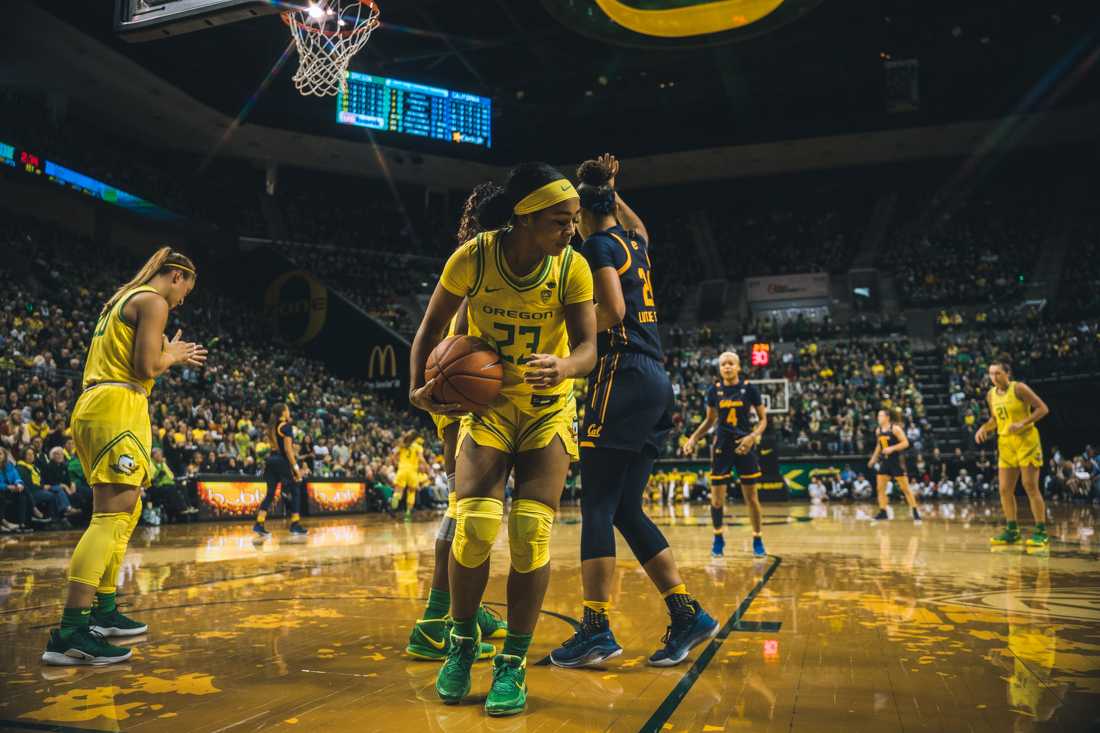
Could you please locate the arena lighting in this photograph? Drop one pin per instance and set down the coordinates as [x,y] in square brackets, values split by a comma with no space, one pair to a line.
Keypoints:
[315,11]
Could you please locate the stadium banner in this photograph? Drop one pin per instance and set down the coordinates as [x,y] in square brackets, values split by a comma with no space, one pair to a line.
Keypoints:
[787,287]
[231,497]
[305,313]
[336,497]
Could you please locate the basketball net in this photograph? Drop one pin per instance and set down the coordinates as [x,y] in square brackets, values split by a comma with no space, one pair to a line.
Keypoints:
[327,33]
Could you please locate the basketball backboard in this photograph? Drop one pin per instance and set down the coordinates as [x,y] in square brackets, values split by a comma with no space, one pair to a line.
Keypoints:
[148,20]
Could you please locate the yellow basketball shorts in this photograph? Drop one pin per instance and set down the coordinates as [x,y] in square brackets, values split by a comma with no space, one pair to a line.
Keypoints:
[511,430]
[113,436]
[407,478]
[1016,452]
[442,422]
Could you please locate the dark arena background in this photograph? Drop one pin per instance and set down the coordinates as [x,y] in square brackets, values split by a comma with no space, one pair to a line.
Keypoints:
[873,203]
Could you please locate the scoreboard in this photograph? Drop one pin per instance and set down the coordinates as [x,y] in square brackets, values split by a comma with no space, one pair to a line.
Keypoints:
[392,105]
[761,354]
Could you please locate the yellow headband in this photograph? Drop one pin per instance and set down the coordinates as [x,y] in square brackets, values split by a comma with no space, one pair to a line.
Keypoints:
[543,198]
[185,268]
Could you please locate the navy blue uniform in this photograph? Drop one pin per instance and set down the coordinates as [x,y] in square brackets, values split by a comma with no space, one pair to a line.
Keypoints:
[629,394]
[735,404]
[892,465]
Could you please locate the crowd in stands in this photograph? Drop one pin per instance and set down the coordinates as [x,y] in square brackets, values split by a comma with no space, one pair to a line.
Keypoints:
[384,284]
[1075,478]
[204,420]
[982,251]
[1079,291]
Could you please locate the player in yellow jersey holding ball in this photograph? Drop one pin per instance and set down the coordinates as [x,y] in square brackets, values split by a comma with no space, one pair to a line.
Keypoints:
[531,295]
[1014,409]
[431,634]
[113,437]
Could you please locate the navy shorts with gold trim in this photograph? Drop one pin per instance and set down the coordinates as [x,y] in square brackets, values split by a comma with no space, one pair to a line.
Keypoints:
[629,404]
[725,459]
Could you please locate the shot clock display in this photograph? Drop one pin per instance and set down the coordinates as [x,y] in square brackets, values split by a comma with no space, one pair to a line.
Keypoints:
[761,354]
[379,103]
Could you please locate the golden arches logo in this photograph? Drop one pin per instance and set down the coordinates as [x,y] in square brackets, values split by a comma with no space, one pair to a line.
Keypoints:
[313,308]
[381,355]
[714,16]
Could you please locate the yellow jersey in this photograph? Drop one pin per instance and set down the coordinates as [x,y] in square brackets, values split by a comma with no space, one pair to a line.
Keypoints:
[519,315]
[408,458]
[110,356]
[1007,409]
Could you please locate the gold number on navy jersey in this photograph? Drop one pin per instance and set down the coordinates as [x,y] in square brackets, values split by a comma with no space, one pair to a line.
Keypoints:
[647,288]
[531,334]
[731,417]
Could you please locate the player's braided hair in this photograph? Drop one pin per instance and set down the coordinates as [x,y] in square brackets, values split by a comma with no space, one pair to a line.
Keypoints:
[468,225]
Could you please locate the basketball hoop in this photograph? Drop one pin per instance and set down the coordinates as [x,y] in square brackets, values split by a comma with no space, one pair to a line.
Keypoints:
[327,33]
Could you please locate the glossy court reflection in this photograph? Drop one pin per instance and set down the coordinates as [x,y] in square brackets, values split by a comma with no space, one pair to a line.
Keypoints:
[849,626]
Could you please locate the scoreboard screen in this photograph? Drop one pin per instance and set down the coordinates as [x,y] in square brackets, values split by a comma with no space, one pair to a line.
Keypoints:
[393,105]
[761,354]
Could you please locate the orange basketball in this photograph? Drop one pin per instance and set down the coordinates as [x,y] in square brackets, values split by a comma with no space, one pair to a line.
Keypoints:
[470,372]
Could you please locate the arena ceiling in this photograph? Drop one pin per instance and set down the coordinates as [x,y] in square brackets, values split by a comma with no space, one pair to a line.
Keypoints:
[566,81]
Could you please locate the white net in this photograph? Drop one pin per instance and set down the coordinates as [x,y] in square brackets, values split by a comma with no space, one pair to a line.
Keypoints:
[776,394]
[327,33]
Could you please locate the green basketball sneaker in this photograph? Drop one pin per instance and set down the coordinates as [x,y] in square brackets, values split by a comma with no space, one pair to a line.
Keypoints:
[453,681]
[83,646]
[1038,538]
[1009,536]
[491,624]
[508,695]
[116,623]
[431,639]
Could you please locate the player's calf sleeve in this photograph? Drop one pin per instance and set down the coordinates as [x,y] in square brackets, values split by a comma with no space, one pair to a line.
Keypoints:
[476,526]
[97,547]
[529,525]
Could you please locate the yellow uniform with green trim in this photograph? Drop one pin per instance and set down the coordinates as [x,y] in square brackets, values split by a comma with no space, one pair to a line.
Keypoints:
[1014,450]
[442,422]
[408,466]
[110,421]
[520,316]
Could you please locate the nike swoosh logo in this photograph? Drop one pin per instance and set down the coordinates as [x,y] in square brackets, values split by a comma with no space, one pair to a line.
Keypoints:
[491,290]
[437,644]
[565,187]
[765,452]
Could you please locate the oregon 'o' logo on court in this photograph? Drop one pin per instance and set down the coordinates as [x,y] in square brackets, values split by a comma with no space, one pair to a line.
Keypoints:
[297,304]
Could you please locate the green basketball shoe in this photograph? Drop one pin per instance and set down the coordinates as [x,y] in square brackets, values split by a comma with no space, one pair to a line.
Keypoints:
[1010,536]
[453,681]
[116,623]
[491,624]
[508,695]
[1038,538]
[82,646]
[430,640]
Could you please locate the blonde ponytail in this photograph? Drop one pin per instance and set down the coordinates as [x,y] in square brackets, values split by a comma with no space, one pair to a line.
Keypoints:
[163,260]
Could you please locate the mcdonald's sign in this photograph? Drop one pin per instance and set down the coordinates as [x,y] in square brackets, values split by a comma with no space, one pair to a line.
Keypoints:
[383,363]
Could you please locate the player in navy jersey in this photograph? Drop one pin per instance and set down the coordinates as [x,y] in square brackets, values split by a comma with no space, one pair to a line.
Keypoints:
[627,418]
[732,403]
